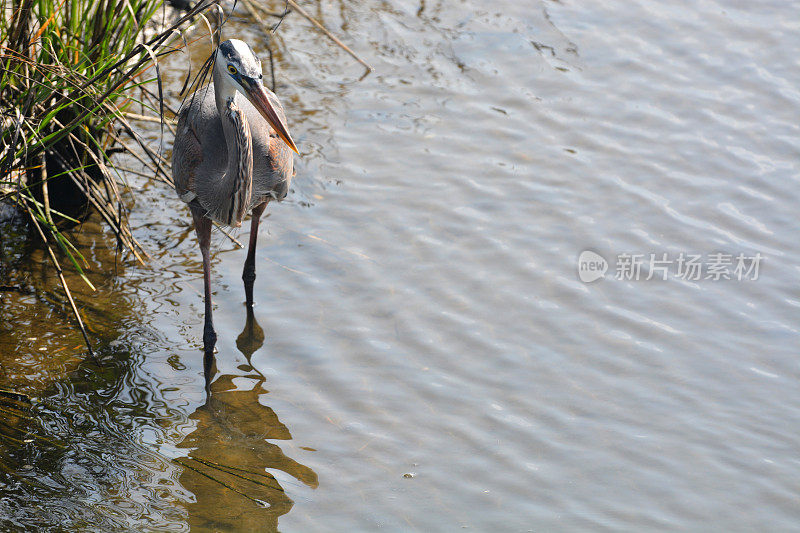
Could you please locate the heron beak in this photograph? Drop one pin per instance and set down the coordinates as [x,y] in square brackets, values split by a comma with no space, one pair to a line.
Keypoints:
[263,101]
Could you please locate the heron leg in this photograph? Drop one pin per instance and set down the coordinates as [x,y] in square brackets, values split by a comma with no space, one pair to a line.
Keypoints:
[249,273]
[202,226]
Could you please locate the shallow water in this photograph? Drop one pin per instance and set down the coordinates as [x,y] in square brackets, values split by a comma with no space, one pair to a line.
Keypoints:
[423,355]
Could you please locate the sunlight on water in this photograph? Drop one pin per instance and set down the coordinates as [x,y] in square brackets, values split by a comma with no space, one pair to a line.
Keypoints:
[424,353]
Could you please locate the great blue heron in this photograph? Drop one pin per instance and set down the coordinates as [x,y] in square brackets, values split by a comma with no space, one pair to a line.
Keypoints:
[232,152]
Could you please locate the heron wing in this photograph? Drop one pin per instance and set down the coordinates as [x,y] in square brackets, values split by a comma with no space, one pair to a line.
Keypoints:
[200,151]
[187,156]
[272,158]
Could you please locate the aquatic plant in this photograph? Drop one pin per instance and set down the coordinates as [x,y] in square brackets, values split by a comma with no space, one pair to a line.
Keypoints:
[69,72]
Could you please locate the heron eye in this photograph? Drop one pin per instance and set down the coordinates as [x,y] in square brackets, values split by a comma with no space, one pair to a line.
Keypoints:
[232,69]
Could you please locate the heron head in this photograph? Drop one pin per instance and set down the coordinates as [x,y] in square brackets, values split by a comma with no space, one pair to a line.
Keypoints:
[236,60]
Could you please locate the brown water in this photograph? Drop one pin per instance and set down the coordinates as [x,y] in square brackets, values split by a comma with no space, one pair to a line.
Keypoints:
[423,355]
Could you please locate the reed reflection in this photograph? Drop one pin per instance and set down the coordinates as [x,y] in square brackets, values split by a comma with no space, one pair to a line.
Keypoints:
[230,451]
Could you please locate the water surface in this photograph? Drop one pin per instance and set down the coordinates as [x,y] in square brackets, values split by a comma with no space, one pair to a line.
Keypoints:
[423,355]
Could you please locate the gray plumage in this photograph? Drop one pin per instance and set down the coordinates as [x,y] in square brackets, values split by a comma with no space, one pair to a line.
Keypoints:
[206,153]
[232,153]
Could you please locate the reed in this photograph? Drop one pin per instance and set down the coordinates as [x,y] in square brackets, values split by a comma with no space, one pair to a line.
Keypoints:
[69,72]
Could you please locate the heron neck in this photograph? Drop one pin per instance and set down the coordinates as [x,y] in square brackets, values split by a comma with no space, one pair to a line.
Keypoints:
[239,174]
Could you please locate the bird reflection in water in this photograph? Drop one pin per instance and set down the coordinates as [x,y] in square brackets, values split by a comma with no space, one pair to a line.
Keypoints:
[230,452]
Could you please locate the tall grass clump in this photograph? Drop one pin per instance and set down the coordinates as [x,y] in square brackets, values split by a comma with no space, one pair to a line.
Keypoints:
[69,69]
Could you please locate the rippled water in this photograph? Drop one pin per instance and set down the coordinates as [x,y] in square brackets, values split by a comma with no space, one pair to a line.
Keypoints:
[423,355]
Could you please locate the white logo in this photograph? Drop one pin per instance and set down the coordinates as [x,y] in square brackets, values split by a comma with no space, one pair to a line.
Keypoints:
[591,266]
